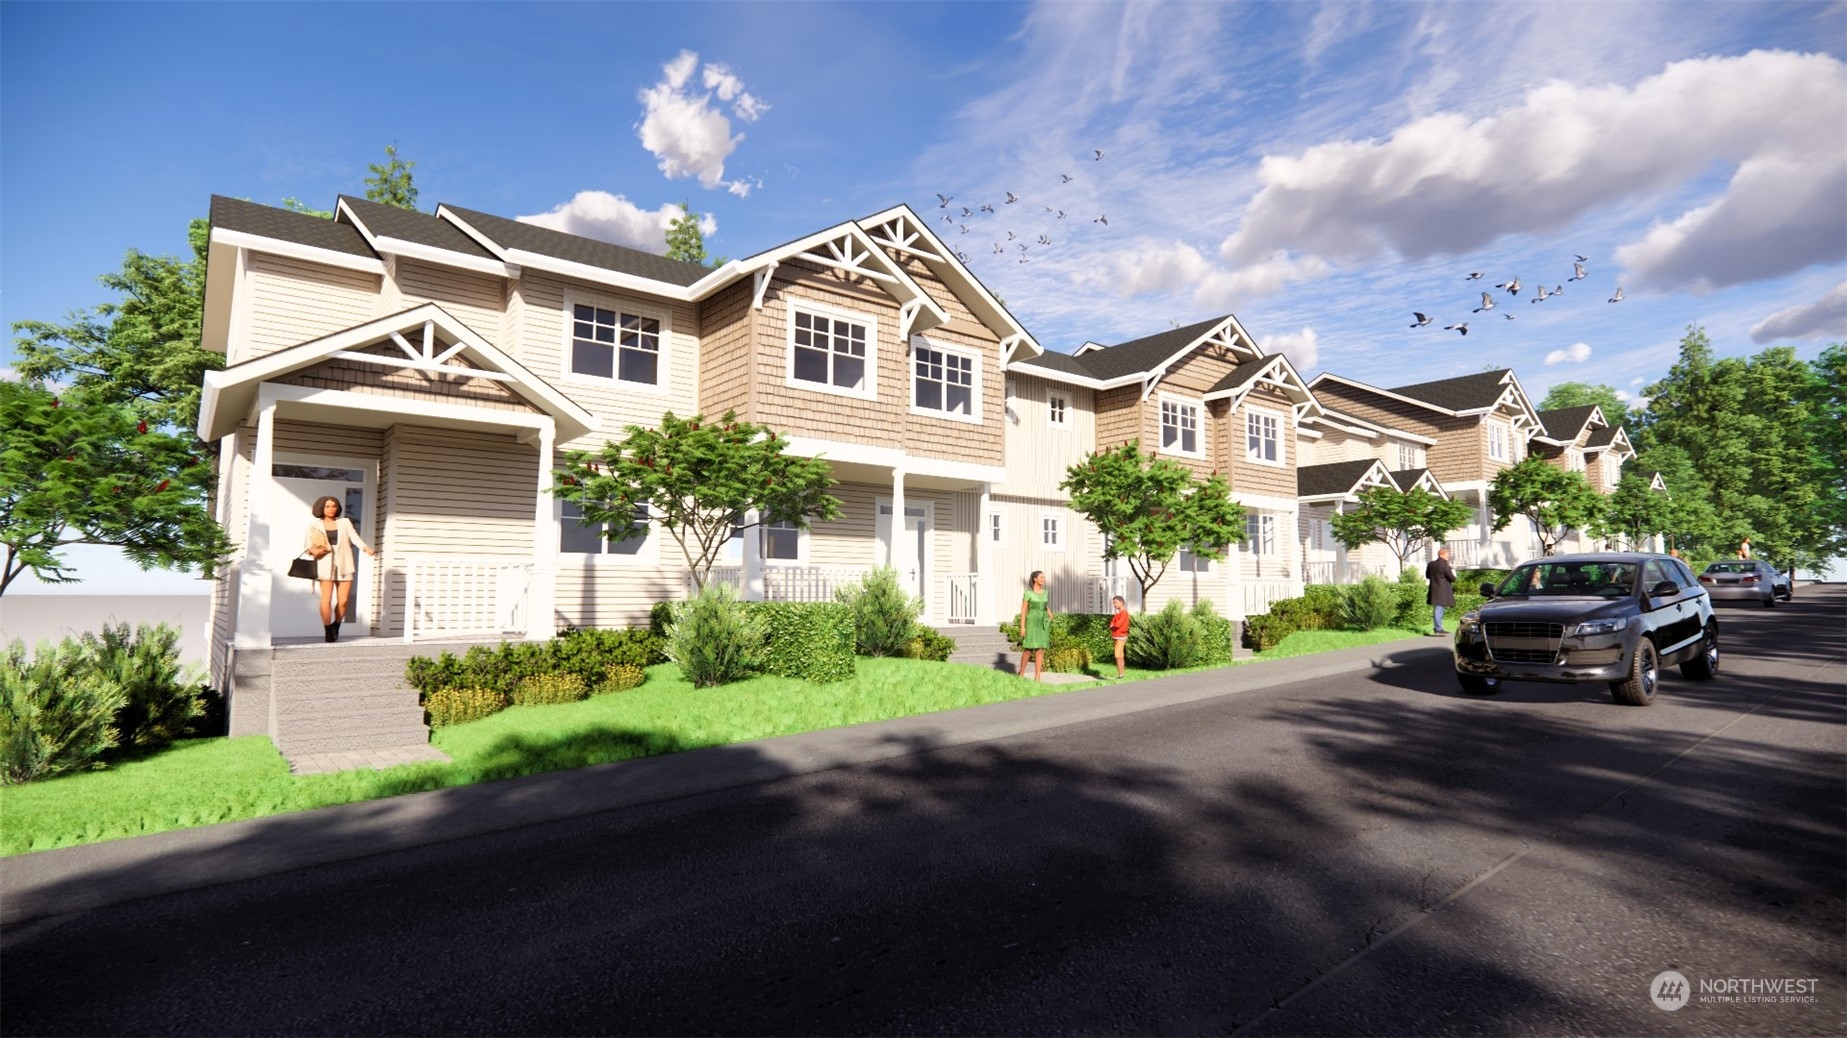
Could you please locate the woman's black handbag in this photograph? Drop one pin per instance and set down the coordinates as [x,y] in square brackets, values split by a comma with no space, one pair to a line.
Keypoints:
[304,567]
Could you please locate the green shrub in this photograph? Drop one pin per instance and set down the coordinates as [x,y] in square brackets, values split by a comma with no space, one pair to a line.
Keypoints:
[1371,604]
[812,641]
[929,644]
[1165,640]
[1264,632]
[587,653]
[550,689]
[590,652]
[447,706]
[715,639]
[660,620]
[161,695]
[57,710]
[1472,579]
[1214,635]
[1067,659]
[883,614]
[620,677]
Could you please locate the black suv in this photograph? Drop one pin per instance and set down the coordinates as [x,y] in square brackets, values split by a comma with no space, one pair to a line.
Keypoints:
[1608,616]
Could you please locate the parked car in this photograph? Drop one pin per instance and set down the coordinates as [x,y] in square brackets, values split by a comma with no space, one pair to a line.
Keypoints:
[1750,580]
[1615,617]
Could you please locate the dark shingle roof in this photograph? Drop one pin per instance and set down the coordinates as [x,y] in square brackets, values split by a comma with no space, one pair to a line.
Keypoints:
[1459,394]
[388,221]
[1565,423]
[235,214]
[527,237]
[1138,356]
[1052,360]
[1602,437]
[1241,374]
[1339,477]
[1407,478]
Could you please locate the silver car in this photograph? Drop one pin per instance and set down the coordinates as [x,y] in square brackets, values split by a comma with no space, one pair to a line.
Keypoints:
[1745,580]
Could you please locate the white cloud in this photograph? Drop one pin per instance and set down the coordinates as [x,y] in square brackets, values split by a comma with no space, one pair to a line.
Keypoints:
[1826,316]
[1447,184]
[685,132]
[9,375]
[1576,353]
[1177,268]
[615,219]
[1302,348]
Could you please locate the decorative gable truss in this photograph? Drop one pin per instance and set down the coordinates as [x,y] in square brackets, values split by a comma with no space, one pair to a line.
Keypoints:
[1226,340]
[1425,480]
[848,249]
[1525,417]
[903,234]
[1274,372]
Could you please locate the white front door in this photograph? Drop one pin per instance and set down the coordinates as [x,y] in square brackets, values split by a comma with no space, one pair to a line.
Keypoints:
[295,604]
[911,559]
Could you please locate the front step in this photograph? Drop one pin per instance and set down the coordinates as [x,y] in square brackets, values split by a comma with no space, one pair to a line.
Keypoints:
[981,645]
[331,699]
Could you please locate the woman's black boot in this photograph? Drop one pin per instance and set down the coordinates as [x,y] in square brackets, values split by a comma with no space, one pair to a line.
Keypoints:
[332,631]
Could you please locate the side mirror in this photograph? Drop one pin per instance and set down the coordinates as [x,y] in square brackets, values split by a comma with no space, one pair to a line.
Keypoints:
[1487,589]
[1665,589]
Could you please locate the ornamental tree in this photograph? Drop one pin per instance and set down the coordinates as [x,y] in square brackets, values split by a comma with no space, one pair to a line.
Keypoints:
[1636,510]
[1150,508]
[1404,521]
[1557,502]
[84,470]
[699,480]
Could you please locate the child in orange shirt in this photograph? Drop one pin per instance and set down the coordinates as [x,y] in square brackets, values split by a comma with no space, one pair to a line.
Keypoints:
[1119,629]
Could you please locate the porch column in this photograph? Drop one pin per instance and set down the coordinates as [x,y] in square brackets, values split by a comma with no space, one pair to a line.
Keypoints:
[1481,513]
[542,598]
[255,570]
[984,561]
[753,557]
[1340,549]
[897,518]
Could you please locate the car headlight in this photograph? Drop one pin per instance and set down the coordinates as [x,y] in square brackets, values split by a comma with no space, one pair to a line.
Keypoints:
[1469,621]
[1600,627]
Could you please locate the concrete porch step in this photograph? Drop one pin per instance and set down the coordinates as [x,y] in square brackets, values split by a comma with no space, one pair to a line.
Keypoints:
[380,739]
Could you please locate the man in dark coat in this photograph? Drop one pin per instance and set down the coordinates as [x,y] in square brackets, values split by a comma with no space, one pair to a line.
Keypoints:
[1442,577]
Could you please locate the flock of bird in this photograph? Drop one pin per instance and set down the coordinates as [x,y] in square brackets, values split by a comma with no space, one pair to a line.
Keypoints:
[1024,241]
[1512,287]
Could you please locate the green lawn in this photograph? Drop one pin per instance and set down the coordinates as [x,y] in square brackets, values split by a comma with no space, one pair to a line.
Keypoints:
[204,781]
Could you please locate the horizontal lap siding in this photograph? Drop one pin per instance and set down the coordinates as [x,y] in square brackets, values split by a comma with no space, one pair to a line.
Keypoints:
[726,326]
[313,438]
[1190,589]
[544,338]
[293,301]
[849,540]
[617,596]
[462,494]
[1039,454]
[813,412]
[374,380]
[477,300]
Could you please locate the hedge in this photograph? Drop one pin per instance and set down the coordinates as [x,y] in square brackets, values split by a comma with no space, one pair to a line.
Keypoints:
[808,640]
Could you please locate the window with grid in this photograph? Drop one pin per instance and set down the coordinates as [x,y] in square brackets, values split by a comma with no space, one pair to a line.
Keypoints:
[829,351]
[1262,437]
[1260,528]
[997,528]
[1612,470]
[613,344]
[1056,406]
[944,381]
[1575,461]
[1050,536]
[576,536]
[1497,441]
[1179,427]
[1410,457]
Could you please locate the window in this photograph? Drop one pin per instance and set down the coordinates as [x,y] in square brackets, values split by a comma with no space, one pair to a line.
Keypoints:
[997,528]
[1574,461]
[782,542]
[943,381]
[1179,427]
[1263,437]
[1190,562]
[1111,565]
[829,351]
[1497,441]
[1321,534]
[612,344]
[1051,536]
[1056,406]
[1612,470]
[578,537]
[1410,456]
[1260,527]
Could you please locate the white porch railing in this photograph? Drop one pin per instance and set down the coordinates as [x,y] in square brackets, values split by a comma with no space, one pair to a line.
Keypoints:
[450,597]
[1099,590]
[1334,572]
[1260,594]
[1464,554]
[789,583]
[962,589]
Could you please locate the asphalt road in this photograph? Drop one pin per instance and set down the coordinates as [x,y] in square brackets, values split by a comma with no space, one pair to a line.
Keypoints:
[1370,855]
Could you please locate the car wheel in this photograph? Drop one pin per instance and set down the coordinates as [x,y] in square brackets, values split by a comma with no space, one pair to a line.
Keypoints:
[1644,675]
[1705,666]
[1770,600]
[1479,685]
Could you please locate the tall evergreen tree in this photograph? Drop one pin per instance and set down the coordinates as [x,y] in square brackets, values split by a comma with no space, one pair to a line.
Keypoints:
[1583,394]
[390,182]
[686,242]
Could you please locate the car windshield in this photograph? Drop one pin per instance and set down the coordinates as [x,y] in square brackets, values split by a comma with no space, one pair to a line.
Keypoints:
[1732,567]
[1561,579]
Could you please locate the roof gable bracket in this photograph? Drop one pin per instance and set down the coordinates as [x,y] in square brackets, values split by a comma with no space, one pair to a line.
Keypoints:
[845,255]
[762,285]
[1008,347]
[907,318]
[416,364]
[1152,379]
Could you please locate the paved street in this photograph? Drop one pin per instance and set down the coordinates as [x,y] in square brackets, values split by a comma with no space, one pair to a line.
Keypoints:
[1372,854]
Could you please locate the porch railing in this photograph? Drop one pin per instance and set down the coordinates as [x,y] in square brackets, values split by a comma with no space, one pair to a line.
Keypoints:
[1259,595]
[962,589]
[1099,590]
[451,597]
[789,583]
[1464,554]
[1335,573]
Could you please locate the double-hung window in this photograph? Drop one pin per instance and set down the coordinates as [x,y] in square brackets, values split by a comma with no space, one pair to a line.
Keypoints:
[1051,533]
[782,542]
[830,351]
[577,536]
[1497,441]
[943,381]
[1410,457]
[1260,528]
[1057,408]
[1263,441]
[615,344]
[1191,561]
[1179,427]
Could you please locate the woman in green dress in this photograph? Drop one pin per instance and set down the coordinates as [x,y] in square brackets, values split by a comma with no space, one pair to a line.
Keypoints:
[1035,625]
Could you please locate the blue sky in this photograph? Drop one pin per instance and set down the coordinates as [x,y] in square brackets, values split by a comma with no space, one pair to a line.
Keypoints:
[1320,170]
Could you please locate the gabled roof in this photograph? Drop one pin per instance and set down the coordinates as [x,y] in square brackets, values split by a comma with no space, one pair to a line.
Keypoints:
[264,221]
[502,236]
[1407,479]
[1466,393]
[1340,478]
[901,230]
[1150,355]
[1239,375]
[391,224]
[1563,424]
[1053,361]
[1338,417]
[1612,438]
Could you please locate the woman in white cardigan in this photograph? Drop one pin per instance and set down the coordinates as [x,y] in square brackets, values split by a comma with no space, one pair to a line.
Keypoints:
[331,538]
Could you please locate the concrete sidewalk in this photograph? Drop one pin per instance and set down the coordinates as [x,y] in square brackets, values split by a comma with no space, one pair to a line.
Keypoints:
[76,878]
